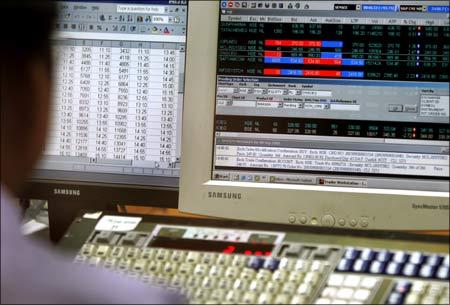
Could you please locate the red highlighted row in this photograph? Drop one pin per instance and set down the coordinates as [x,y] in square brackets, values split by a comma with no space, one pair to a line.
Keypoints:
[294,43]
[310,73]
[322,61]
[273,54]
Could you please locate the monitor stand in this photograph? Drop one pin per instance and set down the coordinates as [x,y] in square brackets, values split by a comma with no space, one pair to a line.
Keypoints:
[61,213]
[66,200]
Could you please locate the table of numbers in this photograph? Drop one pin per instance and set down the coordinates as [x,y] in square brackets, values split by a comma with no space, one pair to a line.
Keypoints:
[116,100]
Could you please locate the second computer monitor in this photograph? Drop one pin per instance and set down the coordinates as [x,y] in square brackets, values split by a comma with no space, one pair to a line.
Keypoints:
[319,113]
[115,133]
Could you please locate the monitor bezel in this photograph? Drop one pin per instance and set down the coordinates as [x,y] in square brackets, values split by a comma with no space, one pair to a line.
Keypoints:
[277,203]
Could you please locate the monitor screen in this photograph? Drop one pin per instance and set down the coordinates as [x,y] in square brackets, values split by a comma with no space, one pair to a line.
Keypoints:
[118,93]
[332,94]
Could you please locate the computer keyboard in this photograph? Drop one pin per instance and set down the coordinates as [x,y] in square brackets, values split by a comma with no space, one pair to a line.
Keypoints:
[233,266]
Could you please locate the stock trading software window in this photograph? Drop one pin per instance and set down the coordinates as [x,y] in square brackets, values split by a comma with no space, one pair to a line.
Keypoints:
[326,93]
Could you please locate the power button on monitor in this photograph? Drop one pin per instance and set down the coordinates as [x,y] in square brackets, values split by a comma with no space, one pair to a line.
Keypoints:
[292,218]
[328,221]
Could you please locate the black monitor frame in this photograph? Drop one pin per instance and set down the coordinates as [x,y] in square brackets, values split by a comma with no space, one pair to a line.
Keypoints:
[67,198]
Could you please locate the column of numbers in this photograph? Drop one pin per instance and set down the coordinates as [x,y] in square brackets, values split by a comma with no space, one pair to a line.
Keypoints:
[103,101]
[142,79]
[115,100]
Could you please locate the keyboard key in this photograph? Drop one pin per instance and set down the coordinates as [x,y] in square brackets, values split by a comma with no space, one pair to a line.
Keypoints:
[369,282]
[352,281]
[345,265]
[403,287]
[361,294]
[249,298]
[384,256]
[265,298]
[233,296]
[367,254]
[378,267]
[178,281]
[305,290]
[256,263]
[427,271]
[280,276]
[287,264]
[140,265]
[149,254]
[443,273]
[318,266]
[298,299]
[162,255]
[232,273]
[417,258]
[302,265]
[395,298]
[400,257]
[419,287]
[209,258]
[271,264]
[296,277]
[273,287]
[186,269]
[209,283]
[336,280]
[345,293]
[289,288]
[435,290]
[201,294]
[223,260]
[240,261]
[434,260]
[201,270]
[216,271]
[264,275]
[218,295]
[412,298]
[248,274]
[256,286]
[429,300]
[394,268]
[225,283]
[329,292]
[446,261]
[361,266]
[193,257]
[352,253]
[312,278]
[410,270]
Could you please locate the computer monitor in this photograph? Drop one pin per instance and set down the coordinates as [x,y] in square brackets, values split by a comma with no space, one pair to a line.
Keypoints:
[318,113]
[115,134]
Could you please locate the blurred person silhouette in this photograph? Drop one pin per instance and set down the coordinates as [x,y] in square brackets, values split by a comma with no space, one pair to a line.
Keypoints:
[31,272]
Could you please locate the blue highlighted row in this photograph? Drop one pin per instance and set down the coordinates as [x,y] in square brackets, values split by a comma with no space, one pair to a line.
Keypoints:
[333,55]
[353,62]
[352,74]
[438,9]
[300,61]
[332,44]
[284,60]
[379,8]
[287,72]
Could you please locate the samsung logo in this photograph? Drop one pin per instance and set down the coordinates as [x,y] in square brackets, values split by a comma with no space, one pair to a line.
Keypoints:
[66,192]
[225,195]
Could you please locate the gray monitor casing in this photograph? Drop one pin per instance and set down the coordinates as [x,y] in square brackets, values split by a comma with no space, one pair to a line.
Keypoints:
[366,209]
